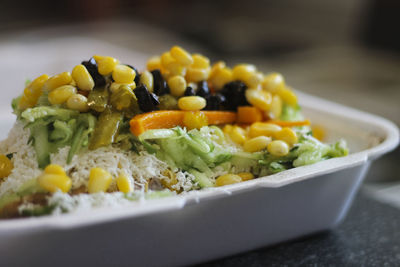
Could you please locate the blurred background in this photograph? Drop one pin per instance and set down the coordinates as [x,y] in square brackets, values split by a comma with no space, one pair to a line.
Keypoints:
[347,51]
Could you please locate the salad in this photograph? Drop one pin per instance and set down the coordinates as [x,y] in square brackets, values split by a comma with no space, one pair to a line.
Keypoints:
[106,135]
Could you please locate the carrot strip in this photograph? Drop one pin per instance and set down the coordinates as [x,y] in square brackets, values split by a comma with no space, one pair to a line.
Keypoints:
[248,114]
[289,123]
[170,118]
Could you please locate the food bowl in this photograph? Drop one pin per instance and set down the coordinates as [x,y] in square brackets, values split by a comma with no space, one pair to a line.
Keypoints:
[217,222]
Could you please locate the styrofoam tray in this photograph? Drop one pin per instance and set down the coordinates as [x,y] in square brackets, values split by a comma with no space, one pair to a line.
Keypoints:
[217,222]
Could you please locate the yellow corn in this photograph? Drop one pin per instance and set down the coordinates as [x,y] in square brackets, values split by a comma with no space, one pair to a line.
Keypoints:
[318,132]
[123,74]
[6,166]
[227,179]
[200,62]
[227,129]
[106,65]
[278,148]
[153,63]
[97,58]
[194,120]
[276,107]
[183,57]
[61,94]
[177,85]
[287,135]
[242,71]
[78,102]
[273,82]
[288,96]
[258,98]
[54,169]
[58,80]
[246,176]
[124,184]
[197,75]
[263,129]
[55,182]
[99,180]
[253,79]
[238,135]
[216,67]
[256,144]
[220,77]
[115,86]
[32,92]
[146,78]
[54,178]
[191,103]
[166,59]
[82,78]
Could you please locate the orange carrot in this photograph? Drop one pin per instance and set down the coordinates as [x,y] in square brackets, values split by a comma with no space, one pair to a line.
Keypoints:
[249,114]
[289,123]
[170,118]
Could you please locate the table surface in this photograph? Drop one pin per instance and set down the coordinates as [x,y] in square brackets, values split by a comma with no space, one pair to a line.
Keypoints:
[369,236]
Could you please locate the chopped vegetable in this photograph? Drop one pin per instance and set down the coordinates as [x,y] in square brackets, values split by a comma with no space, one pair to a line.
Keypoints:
[171,118]
[248,114]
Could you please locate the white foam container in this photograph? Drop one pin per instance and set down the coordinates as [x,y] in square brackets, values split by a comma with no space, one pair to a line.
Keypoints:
[214,223]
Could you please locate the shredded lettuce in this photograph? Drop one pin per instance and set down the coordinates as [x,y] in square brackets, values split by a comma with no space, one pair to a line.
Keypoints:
[290,113]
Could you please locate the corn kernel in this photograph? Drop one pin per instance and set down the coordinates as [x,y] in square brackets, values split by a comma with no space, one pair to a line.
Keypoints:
[227,179]
[263,129]
[146,78]
[54,169]
[6,166]
[194,120]
[115,86]
[197,75]
[124,184]
[82,78]
[256,144]
[177,85]
[166,59]
[123,74]
[278,148]
[99,180]
[174,68]
[253,79]
[273,82]
[318,132]
[276,107]
[106,65]
[61,94]
[32,92]
[154,63]
[246,176]
[78,102]
[259,98]
[287,135]
[288,96]
[200,62]
[227,129]
[221,77]
[58,80]
[97,58]
[238,135]
[54,182]
[191,103]
[216,67]
[242,71]
[183,57]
